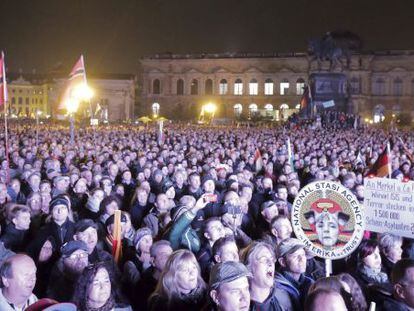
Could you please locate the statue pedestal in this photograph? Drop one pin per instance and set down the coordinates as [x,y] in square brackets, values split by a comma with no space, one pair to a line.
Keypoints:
[329,91]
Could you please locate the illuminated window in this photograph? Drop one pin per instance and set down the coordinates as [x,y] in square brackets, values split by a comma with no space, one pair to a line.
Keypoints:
[223,87]
[253,87]
[194,87]
[156,87]
[268,89]
[297,107]
[284,87]
[180,87]
[155,109]
[238,87]
[252,109]
[238,110]
[269,109]
[300,86]
[284,106]
[209,87]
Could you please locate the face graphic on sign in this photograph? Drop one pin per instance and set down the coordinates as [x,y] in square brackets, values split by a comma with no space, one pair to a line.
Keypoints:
[327,220]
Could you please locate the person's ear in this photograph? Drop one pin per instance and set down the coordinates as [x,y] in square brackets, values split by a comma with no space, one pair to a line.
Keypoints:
[5,282]
[274,232]
[14,220]
[214,296]
[399,290]
[207,236]
[217,258]
[75,237]
[282,262]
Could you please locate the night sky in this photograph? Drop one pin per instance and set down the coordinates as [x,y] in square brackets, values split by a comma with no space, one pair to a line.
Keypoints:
[44,34]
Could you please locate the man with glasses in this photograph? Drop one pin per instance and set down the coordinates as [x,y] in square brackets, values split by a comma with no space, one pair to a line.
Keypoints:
[259,259]
[67,269]
[291,281]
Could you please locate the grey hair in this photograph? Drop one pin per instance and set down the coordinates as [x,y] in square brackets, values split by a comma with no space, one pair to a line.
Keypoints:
[387,241]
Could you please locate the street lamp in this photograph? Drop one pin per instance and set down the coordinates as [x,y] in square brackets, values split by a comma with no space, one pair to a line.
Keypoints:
[38,114]
[81,92]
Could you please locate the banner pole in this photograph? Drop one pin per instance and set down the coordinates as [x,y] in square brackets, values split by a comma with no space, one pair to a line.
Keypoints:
[328,267]
[6,132]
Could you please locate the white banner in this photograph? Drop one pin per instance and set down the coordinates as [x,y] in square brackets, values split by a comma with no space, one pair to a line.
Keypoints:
[389,206]
[329,103]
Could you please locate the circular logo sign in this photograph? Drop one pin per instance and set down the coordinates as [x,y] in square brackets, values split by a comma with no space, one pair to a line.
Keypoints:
[328,219]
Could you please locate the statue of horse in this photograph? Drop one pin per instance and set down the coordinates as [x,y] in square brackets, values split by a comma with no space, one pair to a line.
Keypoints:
[334,46]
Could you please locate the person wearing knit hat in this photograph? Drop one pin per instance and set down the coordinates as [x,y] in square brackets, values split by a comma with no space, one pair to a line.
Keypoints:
[141,260]
[226,278]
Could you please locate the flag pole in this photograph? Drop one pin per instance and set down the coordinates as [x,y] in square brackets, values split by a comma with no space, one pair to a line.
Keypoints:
[89,100]
[6,132]
[389,159]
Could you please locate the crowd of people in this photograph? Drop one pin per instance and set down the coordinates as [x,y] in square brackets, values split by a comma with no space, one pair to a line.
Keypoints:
[205,222]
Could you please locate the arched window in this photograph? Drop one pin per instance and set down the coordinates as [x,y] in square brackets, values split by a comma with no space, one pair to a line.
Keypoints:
[284,87]
[156,86]
[268,87]
[155,109]
[300,86]
[209,87]
[398,87]
[238,110]
[194,87]
[252,109]
[297,107]
[253,87]
[355,86]
[284,106]
[238,87]
[223,87]
[379,87]
[180,87]
[269,109]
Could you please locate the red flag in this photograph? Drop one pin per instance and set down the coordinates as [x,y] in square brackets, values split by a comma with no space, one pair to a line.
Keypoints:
[76,76]
[382,167]
[304,101]
[3,82]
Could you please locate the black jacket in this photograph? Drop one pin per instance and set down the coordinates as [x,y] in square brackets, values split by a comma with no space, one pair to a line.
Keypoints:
[14,239]
[61,234]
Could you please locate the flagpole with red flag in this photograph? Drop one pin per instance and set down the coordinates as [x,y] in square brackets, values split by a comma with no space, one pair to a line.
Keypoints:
[3,101]
[382,166]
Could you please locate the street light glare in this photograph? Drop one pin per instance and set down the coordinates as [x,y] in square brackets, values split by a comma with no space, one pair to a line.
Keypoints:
[72,105]
[83,92]
[210,108]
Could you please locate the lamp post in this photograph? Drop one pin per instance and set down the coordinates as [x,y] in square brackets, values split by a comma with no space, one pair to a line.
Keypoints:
[38,113]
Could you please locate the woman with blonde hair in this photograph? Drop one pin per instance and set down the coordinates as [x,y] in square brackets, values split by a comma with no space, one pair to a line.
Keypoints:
[180,286]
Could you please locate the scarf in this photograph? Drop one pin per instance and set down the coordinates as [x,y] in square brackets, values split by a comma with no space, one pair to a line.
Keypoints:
[374,274]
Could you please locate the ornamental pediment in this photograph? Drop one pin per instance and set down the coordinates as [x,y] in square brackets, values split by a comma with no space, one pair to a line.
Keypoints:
[252,70]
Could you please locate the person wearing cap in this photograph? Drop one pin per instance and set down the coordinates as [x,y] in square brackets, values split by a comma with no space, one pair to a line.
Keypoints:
[259,259]
[126,244]
[140,261]
[156,181]
[67,269]
[60,226]
[292,284]
[180,286]
[18,279]
[86,230]
[229,286]
[268,211]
